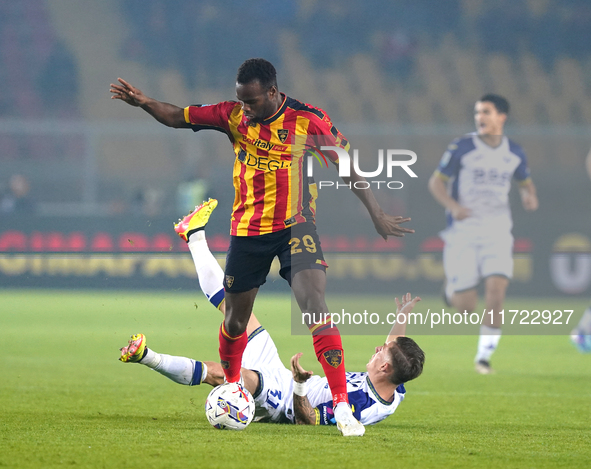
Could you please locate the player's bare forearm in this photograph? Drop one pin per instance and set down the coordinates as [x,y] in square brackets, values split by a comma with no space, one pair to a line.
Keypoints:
[303,411]
[165,113]
[386,225]
[398,330]
[439,192]
[215,376]
[529,195]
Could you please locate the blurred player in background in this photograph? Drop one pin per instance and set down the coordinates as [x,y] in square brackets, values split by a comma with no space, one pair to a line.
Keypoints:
[581,335]
[281,395]
[274,209]
[472,182]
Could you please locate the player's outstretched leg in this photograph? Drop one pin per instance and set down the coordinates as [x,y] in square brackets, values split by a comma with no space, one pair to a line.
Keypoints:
[232,336]
[196,220]
[209,272]
[181,370]
[192,229]
[135,349]
[211,276]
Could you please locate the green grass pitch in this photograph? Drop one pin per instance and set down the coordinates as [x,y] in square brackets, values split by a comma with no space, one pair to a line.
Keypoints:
[66,401]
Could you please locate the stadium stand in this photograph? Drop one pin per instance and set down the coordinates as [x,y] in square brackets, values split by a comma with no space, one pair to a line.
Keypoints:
[39,78]
[408,65]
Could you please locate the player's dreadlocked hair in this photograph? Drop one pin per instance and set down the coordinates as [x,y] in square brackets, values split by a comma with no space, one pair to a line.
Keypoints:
[500,103]
[407,359]
[259,70]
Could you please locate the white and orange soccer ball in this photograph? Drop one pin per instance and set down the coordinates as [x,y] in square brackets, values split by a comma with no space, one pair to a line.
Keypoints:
[229,407]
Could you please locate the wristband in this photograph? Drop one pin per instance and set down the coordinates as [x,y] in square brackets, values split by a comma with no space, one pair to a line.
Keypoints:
[299,389]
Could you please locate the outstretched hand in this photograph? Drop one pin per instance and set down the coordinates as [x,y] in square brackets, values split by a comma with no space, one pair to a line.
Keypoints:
[388,225]
[299,374]
[128,93]
[406,305]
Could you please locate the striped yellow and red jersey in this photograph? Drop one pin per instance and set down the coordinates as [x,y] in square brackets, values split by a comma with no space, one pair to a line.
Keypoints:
[272,190]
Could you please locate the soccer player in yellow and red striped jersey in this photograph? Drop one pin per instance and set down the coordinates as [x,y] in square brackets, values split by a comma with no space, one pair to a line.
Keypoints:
[274,209]
[272,192]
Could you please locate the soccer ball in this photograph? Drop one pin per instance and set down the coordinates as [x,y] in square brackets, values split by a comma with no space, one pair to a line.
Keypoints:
[229,407]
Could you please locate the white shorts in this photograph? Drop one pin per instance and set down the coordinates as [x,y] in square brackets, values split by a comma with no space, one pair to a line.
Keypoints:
[274,398]
[467,261]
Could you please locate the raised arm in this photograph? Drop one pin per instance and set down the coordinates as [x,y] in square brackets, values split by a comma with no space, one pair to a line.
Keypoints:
[529,197]
[403,310]
[303,411]
[165,113]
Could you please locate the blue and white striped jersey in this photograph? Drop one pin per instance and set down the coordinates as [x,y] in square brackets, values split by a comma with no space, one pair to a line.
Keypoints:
[368,407]
[274,397]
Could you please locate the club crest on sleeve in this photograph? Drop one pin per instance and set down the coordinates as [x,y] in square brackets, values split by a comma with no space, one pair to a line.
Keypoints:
[282,134]
[229,281]
[333,357]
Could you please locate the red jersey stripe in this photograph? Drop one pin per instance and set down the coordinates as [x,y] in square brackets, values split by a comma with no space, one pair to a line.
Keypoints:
[271,190]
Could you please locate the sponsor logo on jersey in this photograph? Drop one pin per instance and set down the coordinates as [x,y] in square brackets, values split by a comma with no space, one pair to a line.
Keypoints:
[263,163]
[259,143]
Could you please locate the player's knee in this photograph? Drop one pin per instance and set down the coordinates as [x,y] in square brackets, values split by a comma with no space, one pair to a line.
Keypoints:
[495,291]
[235,326]
[315,315]
[495,295]
[463,303]
[314,306]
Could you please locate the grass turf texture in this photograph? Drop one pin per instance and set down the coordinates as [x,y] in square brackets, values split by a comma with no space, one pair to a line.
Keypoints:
[65,399]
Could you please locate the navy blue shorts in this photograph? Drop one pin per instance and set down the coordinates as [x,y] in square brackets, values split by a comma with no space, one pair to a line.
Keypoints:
[249,257]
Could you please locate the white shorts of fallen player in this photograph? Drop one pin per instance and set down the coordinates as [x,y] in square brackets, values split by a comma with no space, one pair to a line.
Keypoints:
[468,260]
[275,396]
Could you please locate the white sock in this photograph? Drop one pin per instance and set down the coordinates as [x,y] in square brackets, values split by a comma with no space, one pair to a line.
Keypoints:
[341,411]
[211,275]
[151,359]
[487,342]
[181,370]
[449,292]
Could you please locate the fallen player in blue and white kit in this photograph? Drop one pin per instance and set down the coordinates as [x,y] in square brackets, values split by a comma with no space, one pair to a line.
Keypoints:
[281,395]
